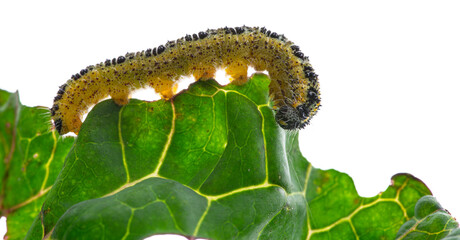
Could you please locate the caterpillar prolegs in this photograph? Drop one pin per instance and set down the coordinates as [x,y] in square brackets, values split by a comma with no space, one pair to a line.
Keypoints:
[294,85]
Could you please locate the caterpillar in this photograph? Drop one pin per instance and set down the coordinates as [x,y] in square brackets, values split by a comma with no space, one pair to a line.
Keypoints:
[294,86]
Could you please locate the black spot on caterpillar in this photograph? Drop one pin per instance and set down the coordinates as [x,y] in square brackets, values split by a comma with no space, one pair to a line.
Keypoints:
[294,85]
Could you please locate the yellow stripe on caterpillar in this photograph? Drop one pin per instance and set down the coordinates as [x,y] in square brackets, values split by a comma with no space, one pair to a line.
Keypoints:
[294,85]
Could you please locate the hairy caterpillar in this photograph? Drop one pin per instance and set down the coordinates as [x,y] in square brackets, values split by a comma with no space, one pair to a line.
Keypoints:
[294,85]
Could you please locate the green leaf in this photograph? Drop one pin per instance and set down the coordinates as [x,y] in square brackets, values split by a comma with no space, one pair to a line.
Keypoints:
[213,163]
[431,221]
[32,155]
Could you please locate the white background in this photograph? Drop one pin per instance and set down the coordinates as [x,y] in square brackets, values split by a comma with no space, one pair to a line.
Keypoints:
[389,71]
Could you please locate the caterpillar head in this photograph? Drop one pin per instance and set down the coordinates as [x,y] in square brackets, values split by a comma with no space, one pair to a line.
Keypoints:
[291,118]
[288,117]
